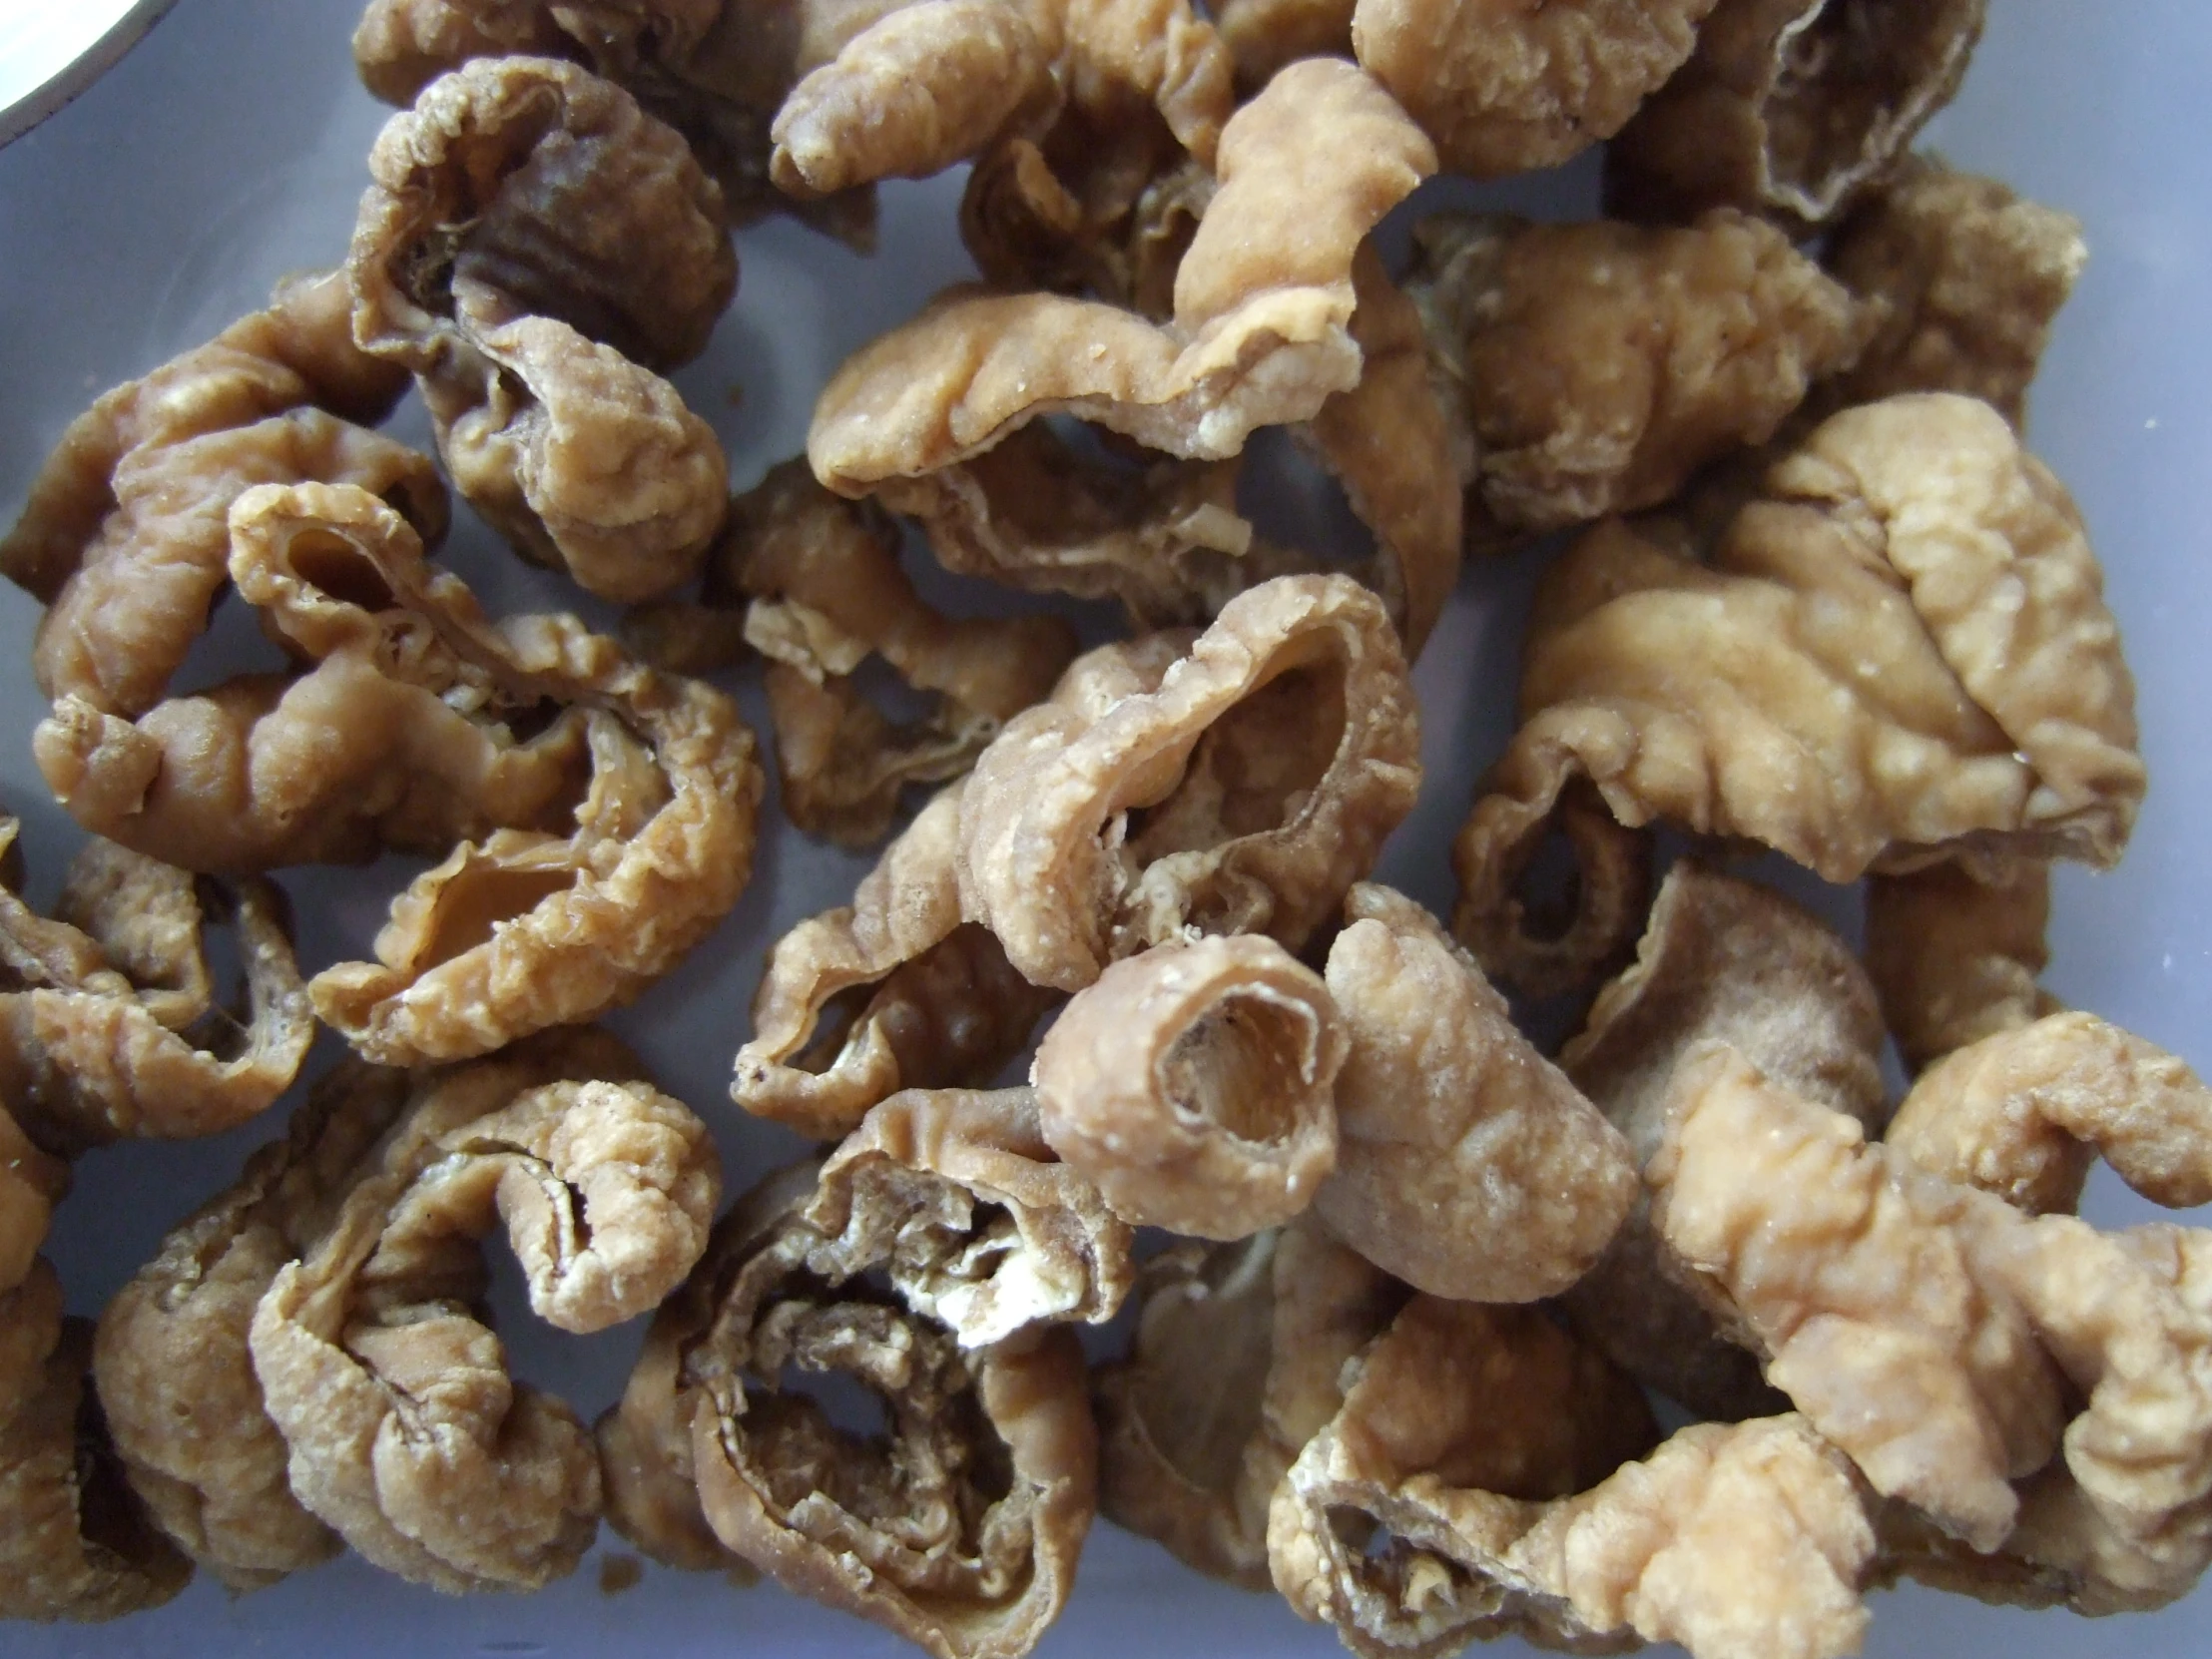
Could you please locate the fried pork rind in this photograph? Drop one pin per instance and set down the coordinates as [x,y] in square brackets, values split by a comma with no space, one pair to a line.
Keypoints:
[1264,35]
[110,1025]
[1504,86]
[957,1528]
[1600,365]
[125,537]
[890,992]
[1466,1164]
[1240,789]
[1792,108]
[1901,653]
[1724,961]
[1955,956]
[825,593]
[1193,1083]
[533,247]
[1961,279]
[1236,1363]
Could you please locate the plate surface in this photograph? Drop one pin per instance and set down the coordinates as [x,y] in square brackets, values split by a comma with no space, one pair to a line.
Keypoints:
[50,52]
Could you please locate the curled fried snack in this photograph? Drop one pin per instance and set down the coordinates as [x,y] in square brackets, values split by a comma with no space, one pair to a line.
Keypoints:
[1792,106]
[1193,1083]
[1264,35]
[1956,956]
[1961,279]
[108,1021]
[1601,364]
[1901,653]
[1503,86]
[125,536]
[1240,789]
[825,593]
[890,992]
[1466,1164]
[533,247]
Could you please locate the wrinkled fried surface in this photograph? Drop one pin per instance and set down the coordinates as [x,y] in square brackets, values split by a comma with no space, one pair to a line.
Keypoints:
[1467,1165]
[1264,35]
[1240,789]
[31,1184]
[1900,652]
[1601,364]
[888,993]
[1955,956]
[1505,87]
[1792,106]
[533,247]
[1193,1083]
[1961,279]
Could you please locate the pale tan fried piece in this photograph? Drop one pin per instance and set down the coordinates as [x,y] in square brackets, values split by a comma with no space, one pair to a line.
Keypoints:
[1504,86]
[1242,790]
[1961,279]
[888,993]
[1600,365]
[1792,108]
[1955,956]
[533,247]
[1258,334]
[1264,35]
[124,535]
[1192,1083]
[1467,1165]
[1901,651]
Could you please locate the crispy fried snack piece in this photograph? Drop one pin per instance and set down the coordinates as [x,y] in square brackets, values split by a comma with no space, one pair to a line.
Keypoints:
[1264,35]
[1600,365]
[1241,790]
[890,992]
[1955,956]
[1961,279]
[957,1528]
[1466,1164]
[822,592]
[1236,1363]
[1260,333]
[1504,86]
[1724,961]
[1193,1084]
[109,1020]
[126,534]
[715,70]
[1899,652]
[533,247]
[1792,108]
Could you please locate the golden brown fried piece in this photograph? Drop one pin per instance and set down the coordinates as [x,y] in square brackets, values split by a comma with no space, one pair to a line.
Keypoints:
[533,247]
[1792,108]
[126,534]
[1956,956]
[1600,365]
[1264,35]
[1900,652]
[1243,789]
[1466,1165]
[1193,1084]
[1504,86]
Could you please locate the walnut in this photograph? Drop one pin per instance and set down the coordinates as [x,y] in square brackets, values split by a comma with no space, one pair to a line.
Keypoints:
[1899,652]
[1240,789]
[125,537]
[1503,86]
[1956,954]
[1467,1165]
[1792,108]
[1264,36]
[1192,1083]
[533,247]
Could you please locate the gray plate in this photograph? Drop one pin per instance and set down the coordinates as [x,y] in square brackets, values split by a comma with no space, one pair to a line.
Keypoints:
[51,50]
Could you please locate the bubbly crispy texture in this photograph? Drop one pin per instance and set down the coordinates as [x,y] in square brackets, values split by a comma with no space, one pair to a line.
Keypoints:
[533,247]
[32,1181]
[1956,953]
[1901,651]
[890,992]
[1260,333]
[1240,789]
[1193,1083]
[1264,35]
[1961,279]
[1601,364]
[1467,1165]
[1792,108]
[1720,960]
[1503,86]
